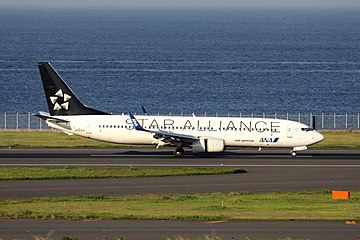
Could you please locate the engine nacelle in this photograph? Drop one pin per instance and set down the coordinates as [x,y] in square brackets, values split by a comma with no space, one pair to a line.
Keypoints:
[208,144]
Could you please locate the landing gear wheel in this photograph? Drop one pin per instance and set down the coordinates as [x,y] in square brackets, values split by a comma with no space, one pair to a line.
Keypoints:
[178,152]
[293,153]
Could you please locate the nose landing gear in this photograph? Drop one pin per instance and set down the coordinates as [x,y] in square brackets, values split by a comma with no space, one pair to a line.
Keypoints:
[295,149]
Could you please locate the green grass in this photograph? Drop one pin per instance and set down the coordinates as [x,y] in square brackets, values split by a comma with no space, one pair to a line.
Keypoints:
[40,173]
[49,139]
[340,139]
[55,139]
[316,205]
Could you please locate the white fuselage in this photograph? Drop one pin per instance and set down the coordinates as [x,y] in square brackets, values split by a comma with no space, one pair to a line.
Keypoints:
[235,131]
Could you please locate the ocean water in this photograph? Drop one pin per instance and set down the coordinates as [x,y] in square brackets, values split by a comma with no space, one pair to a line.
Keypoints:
[184,61]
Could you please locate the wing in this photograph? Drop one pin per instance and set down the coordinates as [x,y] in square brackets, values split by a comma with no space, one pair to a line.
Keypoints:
[164,136]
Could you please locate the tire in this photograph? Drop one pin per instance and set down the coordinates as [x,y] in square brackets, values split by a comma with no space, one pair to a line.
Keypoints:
[178,152]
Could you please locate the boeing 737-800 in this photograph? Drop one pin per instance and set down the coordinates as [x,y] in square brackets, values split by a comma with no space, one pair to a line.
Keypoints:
[201,134]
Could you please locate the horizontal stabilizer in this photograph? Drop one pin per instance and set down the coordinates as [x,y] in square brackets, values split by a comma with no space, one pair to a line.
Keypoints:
[46,116]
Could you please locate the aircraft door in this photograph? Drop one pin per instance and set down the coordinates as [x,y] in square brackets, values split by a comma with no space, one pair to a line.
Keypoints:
[289,131]
[89,128]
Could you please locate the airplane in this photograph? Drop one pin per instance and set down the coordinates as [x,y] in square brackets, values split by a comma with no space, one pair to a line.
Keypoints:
[202,134]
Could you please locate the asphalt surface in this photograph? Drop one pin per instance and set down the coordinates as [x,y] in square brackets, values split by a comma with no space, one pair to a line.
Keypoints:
[157,229]
[270,170]
[266,171]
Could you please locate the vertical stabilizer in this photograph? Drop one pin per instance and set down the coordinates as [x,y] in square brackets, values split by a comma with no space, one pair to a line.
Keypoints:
[60,98]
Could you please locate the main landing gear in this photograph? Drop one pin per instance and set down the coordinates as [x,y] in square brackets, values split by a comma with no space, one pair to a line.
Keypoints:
[293,153]
[178,152]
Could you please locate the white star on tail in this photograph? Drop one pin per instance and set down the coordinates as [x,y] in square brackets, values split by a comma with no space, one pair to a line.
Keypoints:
[65,103]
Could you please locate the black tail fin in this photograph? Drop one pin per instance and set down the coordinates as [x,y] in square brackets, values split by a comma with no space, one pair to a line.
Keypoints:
[61,100]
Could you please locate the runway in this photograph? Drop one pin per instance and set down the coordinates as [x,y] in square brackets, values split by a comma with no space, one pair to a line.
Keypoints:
[273,170]
[157,229]
[269,170]
[160,158]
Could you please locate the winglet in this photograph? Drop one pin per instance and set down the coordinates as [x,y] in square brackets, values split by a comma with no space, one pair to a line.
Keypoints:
[135,122]
[144,110]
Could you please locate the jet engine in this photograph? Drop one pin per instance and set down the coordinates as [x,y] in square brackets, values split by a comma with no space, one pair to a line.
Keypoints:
[208,144]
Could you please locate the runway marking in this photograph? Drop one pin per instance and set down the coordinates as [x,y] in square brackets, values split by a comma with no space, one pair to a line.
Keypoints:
[229,155]
[219,221]
[170,165]
[128,155]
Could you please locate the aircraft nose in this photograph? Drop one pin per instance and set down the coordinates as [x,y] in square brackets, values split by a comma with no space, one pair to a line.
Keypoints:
[318,137]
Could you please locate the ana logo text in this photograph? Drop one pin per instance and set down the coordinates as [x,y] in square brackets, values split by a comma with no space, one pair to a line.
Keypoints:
[269,140]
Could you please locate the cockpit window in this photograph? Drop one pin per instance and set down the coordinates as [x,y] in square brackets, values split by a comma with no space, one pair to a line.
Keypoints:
[306,129]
